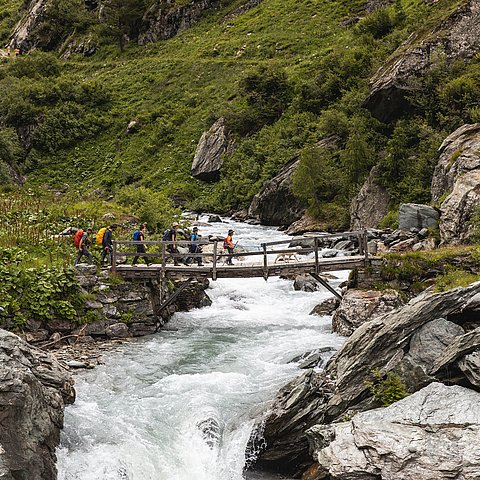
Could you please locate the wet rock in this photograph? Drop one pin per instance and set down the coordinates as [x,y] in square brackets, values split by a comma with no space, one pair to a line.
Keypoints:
[327,307]
[370,205]
[110,311]
[423,436]
[211,148]
[34,389]
[329,253]
[276,204]
[413,215]
[305,283]
[360,306]
[214,219]
[117,330]
[381,343]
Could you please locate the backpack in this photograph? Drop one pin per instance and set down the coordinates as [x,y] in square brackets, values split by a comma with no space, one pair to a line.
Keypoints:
[78,236]
[99,236]
[166,235]
[136,235]
[225,243]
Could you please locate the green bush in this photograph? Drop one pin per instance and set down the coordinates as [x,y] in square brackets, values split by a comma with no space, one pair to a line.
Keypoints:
[153,208]
[386,389]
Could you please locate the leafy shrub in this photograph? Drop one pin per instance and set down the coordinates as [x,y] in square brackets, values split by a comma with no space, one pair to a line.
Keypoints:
[387,389]
[154,208]
[37,64]
[377,24]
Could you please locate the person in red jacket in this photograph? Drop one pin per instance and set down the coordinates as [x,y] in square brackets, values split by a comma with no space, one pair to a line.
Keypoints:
[228,244]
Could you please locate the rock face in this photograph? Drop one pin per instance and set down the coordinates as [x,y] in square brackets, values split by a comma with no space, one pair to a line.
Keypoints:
[383,343]
[454,38]
[208,158]
[413,215]
[430,435]
[276,204]
[34,389]
[22,37]
[360,306]
[164,20]
[457,175]
[370,205]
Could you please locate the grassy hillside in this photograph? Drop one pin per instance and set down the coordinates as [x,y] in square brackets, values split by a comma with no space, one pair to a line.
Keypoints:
[284,74]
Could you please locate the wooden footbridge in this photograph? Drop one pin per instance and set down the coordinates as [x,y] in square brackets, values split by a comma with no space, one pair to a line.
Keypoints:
[294,256]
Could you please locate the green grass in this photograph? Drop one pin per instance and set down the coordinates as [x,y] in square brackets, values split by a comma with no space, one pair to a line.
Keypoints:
[177,88]
[9,15]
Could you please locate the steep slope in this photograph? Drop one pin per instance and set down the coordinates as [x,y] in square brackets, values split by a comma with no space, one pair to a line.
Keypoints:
[283,74]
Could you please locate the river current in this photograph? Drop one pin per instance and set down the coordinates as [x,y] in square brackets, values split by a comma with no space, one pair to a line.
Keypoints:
[180,405]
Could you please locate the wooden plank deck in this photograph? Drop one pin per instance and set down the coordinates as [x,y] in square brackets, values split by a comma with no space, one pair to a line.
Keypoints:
[240,269]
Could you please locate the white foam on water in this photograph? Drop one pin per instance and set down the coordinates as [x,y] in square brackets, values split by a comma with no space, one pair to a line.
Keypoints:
[137,416]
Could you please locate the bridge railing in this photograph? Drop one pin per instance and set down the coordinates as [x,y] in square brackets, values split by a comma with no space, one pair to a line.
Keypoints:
[303,245]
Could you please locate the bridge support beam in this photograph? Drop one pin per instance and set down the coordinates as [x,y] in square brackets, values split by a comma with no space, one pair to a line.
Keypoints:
[325,284]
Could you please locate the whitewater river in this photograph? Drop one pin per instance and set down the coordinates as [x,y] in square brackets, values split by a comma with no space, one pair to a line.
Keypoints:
[180,405]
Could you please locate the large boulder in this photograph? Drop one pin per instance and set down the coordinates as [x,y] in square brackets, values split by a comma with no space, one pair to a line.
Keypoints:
[276,204]
[414,215]
[211,148]
[381,344]
[453,38]
[456,183]
[164,20]
[370,205]
[360,306]
[34,389]
[430,435]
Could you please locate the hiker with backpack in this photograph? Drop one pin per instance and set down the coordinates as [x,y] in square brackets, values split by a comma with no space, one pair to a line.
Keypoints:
[194,247]
[82,242]
[171,236]
[229,246]
[107,244]
[139,236]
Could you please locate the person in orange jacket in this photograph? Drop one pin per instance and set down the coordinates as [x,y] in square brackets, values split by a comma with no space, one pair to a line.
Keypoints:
[228,244]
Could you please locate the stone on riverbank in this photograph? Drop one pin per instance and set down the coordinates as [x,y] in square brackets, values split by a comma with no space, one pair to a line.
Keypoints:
[33,393]
[432,434]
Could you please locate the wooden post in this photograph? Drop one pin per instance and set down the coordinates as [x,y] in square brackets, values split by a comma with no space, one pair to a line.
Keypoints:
[214,267]
[316,256]
[265,261]
[365,246]
[114,257]
[164,259]
[360,243]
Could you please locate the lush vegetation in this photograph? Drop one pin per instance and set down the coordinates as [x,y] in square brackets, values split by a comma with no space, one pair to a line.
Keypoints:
[285,75]
[386,389]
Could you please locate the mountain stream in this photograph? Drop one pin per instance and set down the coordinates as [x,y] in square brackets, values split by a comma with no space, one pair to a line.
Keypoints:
[180,405]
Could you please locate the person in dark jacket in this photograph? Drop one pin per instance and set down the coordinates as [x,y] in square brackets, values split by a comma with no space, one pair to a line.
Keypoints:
[194,247]
[107,244]
[139,236]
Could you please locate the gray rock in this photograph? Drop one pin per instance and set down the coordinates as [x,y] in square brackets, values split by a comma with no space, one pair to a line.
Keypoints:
[329,253]
[211,148]
[404,245]
[470,366]
[305,283]
[343,245]
[117,330]
[327,307]
[413,215]
[276,204]
[429,342]
[33,392]
[452,38]
[360,306]
[431,434]
[370,205]
[163,21]
[457,177]
[214,219]
[326,396]
[110,311]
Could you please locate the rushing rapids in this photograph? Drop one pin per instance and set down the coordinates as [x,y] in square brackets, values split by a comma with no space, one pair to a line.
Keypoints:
[180,405]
